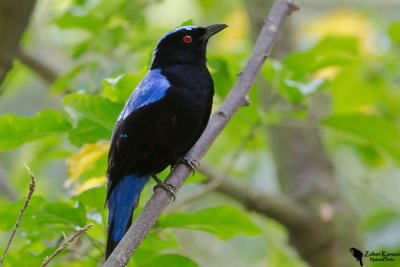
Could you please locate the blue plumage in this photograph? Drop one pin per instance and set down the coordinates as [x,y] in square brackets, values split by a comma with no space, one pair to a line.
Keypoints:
[153,87]
[121,201]
[163,118]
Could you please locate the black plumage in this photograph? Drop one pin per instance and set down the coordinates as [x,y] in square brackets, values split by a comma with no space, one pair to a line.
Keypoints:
[164,117]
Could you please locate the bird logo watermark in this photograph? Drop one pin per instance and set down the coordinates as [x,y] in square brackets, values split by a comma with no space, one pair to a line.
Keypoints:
[357,254]
[383,255]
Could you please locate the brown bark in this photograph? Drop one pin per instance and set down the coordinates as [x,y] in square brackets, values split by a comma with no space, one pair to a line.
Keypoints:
[35,64]
[14,18]
[306,175]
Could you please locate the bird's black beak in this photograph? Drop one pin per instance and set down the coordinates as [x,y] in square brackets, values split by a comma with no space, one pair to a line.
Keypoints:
[212,29]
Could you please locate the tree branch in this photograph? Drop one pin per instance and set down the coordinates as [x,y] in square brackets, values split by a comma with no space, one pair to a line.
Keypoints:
[48,74]
[14,18]
[280,208]
[32,186]
[60,249]
[235,99]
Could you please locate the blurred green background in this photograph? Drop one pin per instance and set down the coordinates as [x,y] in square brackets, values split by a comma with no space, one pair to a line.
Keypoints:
[321,135]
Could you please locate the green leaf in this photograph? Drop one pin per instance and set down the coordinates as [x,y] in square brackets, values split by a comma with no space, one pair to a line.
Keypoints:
[167,260]
[357,88]
[379,218]
[95,108]
[65,237]
[394,32]
[93,197]
[290,90]
[160,240]
[68,81]
[223,74]
[15,130]
[187,22]
[41,215]
[374,130]
[224,222]
[119,89]
[88,132]
[154,244]
[90,22]
[30,258]
[370,155]
[332,51]
[60,212]
[10,212]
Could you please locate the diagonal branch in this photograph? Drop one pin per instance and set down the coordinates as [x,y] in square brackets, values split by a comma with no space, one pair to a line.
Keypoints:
[278,207]
[236,98]
[47,73]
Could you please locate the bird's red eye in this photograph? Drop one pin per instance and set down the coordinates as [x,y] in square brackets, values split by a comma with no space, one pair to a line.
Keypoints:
[187,39]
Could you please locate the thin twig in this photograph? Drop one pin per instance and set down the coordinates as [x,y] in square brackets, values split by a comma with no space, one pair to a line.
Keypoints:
[60,249]
[32,186]
[235,99]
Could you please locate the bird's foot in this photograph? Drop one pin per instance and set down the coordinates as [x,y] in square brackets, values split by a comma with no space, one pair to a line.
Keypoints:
[189,162]
[172,166]
[166,186]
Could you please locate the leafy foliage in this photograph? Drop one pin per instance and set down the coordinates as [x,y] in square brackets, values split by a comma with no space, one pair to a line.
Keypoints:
[224,222]
[110,44]
[374,130]
[172,259]
[15,130]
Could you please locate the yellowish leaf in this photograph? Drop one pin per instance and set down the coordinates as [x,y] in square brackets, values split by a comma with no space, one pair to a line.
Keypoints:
[368,109]
[327,73]
[92,182]
[234,37]
[343,22]
[80,162]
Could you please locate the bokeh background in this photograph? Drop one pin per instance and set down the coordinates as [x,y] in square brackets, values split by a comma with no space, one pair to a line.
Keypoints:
[318,149]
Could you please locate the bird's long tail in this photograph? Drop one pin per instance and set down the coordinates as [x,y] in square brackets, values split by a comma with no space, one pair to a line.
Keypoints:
[121,203]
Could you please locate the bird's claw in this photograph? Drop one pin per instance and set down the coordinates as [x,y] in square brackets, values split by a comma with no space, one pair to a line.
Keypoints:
[172,166]
[190,163]
[164,185]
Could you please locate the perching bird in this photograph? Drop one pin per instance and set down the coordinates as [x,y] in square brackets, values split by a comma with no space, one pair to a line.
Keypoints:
[357,254]
[163,118]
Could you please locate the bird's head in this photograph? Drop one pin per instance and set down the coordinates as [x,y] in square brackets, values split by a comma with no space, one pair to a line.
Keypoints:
[184,45]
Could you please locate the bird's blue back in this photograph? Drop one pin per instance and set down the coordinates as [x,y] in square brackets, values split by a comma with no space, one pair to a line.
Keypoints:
[153,87]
